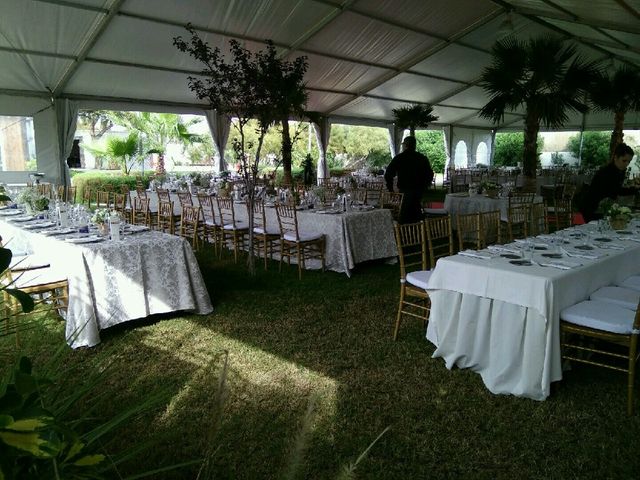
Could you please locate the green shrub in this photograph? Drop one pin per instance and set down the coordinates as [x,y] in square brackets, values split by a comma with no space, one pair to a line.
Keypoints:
[100,180]
[595,148]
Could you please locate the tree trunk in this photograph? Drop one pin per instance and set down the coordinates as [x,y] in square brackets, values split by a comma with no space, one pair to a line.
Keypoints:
[530,157]
[617,135]
[412,130]
[286,152]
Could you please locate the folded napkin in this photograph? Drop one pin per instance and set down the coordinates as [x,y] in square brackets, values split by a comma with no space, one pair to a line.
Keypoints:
[536,244]
[611,246]
[136,228]
[58,231]
[10,212]
[327,211]
[592,255]
[560,264]
[483,254]
[632,238]
[89,239]
[22,219]
[34,226]
[509,248]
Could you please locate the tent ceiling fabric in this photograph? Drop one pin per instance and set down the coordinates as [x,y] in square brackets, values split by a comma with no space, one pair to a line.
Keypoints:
[366,57]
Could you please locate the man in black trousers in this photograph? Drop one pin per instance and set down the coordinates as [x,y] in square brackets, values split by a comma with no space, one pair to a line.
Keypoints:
[414,177]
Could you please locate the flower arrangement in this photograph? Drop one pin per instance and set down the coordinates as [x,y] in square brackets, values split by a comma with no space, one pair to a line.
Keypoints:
[100,216]
[618,215]
[490,188]
[32,199]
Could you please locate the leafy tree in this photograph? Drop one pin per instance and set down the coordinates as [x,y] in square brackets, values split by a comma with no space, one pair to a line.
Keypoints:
[413,116]
[595,148]
[618,93]
[431,143]
[352,145]
[246,87]
[97,123]
[124,150]
[509,148]
[545,76]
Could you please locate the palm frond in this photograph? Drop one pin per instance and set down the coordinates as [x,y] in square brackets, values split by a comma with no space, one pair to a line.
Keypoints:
[416,116]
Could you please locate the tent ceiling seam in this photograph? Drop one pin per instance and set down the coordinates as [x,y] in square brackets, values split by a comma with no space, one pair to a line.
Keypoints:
[93,36]
[79,6]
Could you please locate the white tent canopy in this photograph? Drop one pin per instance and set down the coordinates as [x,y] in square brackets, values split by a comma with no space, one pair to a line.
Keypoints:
[366,57]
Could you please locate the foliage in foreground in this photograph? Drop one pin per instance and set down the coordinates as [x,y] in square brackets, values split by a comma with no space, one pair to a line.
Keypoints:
[509,148]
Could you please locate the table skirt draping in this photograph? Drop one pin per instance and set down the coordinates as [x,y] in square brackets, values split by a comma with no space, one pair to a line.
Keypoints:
[503,321]
[510,346]
[112,282]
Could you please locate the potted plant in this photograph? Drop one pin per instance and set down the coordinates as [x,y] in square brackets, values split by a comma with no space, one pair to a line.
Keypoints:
[32,200]
[490,189]
[101,219]
[618,216]
[413,116]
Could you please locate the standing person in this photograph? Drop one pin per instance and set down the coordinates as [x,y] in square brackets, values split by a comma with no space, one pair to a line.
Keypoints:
[414,177]
[607,183]
[73,161]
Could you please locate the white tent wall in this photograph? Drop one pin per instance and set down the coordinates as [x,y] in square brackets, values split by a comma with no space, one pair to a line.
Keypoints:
[45,132]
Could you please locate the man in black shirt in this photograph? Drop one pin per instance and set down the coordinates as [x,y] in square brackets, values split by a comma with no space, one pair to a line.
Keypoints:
[607,183]
[414,177]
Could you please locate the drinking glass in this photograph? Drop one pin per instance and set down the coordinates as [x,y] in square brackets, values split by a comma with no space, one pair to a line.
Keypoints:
[527,250]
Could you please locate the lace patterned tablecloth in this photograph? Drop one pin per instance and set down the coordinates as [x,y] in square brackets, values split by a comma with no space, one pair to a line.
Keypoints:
[114,282]
[351,237]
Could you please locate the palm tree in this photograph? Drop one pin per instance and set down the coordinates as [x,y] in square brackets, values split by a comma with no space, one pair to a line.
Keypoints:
[124,150]
[618,93]
[158,130]
[413,116]
[545,76]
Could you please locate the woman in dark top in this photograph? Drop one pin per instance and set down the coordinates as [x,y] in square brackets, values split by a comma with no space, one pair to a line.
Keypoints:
[607,183]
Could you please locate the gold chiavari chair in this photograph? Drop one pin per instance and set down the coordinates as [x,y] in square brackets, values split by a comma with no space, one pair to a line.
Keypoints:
[140,214]
[103,199]
[359,196]
[538,223]
[166,219]
[412,254]
[120,206]
[490,228]
[163,195]
[304,246]
[189,222]
[70,194]
[439,238]
[210,226]
[374,196]
[46,286]
[87,196]
[185,199]
[231,229]
[469,231]
[518,221]
[61,193]
[392,201]
[265,236]
[611,333]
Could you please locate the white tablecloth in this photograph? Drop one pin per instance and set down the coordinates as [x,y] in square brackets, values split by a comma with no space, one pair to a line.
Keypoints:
[502,320]
[351,237]
[113,282]
[463,203]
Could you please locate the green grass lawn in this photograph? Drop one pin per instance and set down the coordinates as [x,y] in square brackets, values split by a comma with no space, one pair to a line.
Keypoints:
[328,338]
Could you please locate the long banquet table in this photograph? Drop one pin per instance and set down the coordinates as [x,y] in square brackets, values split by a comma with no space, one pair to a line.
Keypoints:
[502,320]
[463,203]
[351,238]
[112,282]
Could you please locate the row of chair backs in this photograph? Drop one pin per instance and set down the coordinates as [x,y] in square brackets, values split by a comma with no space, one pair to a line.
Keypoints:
[421,244]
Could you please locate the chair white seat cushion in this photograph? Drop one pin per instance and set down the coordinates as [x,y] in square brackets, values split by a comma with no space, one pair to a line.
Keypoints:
[269,230]
[600,315]
[435,211]
[209,223]
[632,282]
[230,226]
[419,278]
[304,237]
[623,297]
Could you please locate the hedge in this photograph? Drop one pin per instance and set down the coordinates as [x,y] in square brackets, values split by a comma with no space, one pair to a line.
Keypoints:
[100,180]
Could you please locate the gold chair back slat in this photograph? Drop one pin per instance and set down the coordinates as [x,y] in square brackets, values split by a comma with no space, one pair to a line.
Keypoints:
[163,195]
[411,243]
[469,231]
[490,231]
[189,223]
[140,213]
[120,204]
[166,219]
[439,238]
[185,199]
